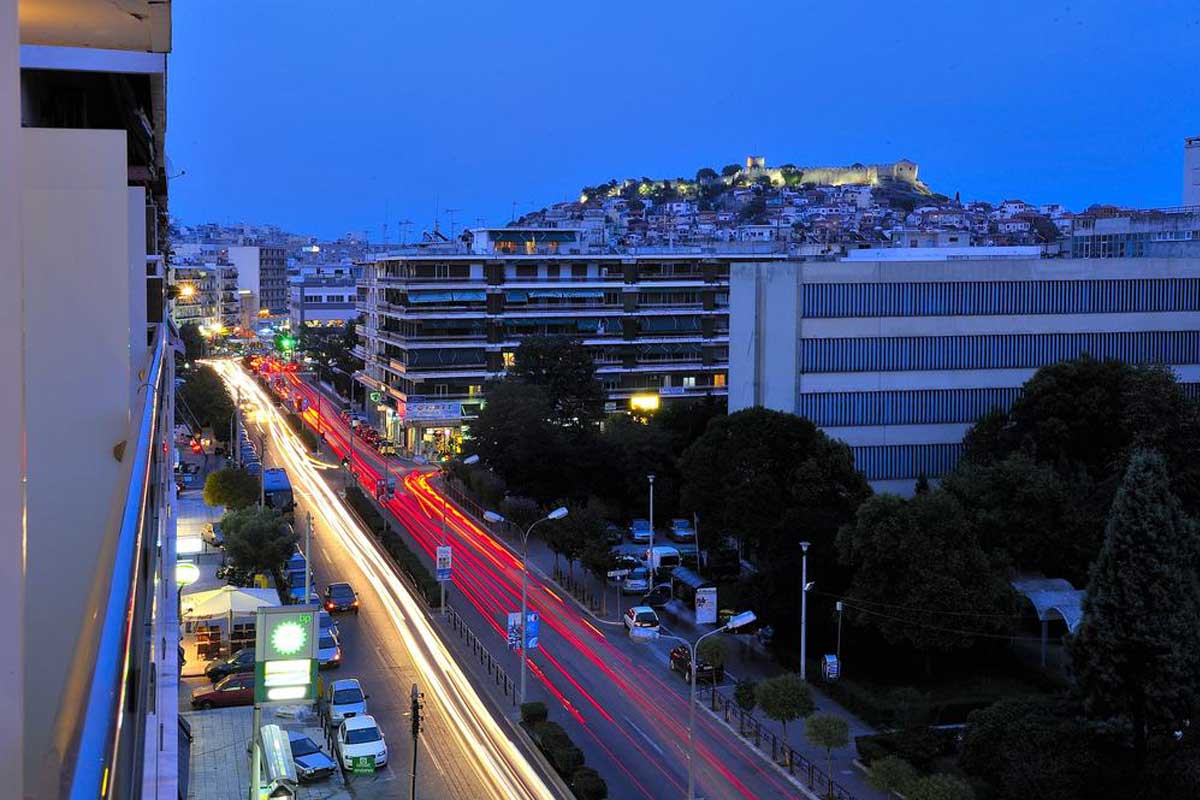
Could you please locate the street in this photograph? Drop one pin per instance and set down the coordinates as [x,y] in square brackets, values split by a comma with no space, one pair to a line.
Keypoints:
[465,751]
[617,700]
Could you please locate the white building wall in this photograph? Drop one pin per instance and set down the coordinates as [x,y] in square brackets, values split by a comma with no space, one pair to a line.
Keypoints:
[246,259]
[1191,171]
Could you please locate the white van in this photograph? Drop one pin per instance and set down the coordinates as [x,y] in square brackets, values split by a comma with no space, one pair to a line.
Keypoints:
[661,558]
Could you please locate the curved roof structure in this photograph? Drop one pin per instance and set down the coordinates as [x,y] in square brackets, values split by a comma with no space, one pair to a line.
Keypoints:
[1053,598]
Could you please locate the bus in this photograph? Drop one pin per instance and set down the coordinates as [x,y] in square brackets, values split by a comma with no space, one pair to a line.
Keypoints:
[277,492]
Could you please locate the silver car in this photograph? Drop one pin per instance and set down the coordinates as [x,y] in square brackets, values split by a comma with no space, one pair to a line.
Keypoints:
[329,652]
[636,582]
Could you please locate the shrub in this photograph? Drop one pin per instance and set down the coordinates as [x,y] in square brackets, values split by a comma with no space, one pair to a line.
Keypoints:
[566,758]
[408,561]
[587,784]
[891,774]
[534,712]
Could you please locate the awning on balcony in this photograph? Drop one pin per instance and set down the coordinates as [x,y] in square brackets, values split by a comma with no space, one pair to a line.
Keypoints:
[464,296]
[533,236]
[670,323]
[567,294]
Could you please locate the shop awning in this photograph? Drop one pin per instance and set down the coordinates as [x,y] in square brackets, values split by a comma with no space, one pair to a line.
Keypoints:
[464,296]
[533,236]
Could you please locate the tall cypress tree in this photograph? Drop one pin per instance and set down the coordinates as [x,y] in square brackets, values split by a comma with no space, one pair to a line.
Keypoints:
[1136,655]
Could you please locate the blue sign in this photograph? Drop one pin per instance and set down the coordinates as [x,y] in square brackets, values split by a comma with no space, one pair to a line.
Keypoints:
[531,630]
[444,564]
[514,630]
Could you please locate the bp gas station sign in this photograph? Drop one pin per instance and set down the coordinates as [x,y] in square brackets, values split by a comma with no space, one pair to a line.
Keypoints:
[285,651]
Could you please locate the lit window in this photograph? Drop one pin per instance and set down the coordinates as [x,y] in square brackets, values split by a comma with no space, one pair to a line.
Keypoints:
[719,380]
[510,359]
[689,382]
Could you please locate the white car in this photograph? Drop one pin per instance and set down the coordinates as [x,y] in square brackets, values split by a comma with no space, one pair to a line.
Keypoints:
[641,617]
[358,737]
[329,652]
[636,582]
[345,699]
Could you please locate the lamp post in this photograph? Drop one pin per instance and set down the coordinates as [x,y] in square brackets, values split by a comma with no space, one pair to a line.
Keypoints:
[735,622]
[492,516]
[804,610]
[445,484]
[650,558]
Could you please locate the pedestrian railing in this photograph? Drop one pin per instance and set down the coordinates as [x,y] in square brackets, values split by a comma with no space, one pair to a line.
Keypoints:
[479,650]
[784,756]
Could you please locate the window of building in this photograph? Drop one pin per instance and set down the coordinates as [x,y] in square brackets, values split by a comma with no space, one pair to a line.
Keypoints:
[689,381]
[579,270]
[719,380]
[552,271]
[527,270]
[509,359]
[441,389]
[474,390]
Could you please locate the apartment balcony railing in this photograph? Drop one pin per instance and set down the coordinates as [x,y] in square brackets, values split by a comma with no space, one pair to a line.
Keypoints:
[101,726]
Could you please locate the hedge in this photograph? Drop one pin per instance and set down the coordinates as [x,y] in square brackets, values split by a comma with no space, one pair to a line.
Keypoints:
[563,755]
[920,746]
[408,561]
[310,439]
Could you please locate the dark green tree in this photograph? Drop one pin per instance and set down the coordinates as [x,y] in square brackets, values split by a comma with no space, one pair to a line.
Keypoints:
[257,539]
[193,342]
[713,651]
[891,774]
[562,367]
[706,174]
[829,732]
[941,786]
[232,488]
[515,436]
[730,169]
[204,401]
[573,533]
[785,698]
[745,694]
[1136,654]
[919,575]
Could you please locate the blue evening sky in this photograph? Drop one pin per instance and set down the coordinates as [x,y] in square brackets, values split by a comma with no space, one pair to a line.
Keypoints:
[329,117]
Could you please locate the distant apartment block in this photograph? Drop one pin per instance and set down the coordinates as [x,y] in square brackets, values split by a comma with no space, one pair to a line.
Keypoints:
[1191,171]
[323,296]
[208,296]
[439,322]
[898,358]
[261,269]
[1162,233]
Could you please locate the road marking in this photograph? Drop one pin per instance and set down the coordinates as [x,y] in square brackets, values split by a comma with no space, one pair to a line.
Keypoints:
[642,733]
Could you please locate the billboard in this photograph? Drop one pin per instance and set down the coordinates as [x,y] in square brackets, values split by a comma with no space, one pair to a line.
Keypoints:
[706,605]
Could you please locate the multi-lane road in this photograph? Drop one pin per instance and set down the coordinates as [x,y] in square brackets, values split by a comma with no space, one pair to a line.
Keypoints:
[616,699]
[467,751]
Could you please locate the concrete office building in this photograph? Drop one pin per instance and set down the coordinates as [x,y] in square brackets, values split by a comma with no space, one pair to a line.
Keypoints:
[261,269]
[87,544]
[441,320]
[323,297]
[898,358]
[209,296]
[1191,171]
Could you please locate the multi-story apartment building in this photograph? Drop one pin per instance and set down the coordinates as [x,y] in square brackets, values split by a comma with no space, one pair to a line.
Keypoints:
[1121,233]
[261,269]
[89,682]
[323,296]
[442,320]
[898,358]
[208,296]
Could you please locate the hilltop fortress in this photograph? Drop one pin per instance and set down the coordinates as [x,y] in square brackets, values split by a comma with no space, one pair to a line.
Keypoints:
[902,171]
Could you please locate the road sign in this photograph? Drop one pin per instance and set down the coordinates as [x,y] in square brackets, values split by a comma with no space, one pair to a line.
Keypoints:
[285,650]
[443,563]
[514,630]
[532,619]
[618,573]
[706,605]
[376,396]
[362,765]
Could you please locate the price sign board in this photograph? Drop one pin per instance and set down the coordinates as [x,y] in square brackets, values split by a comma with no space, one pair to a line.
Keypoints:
[285,651]
[443,563]
[514,630]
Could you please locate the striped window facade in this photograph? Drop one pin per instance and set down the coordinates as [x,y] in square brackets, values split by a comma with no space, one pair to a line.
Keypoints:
[967,298]
[889,462]
[918,407]
[1001,351]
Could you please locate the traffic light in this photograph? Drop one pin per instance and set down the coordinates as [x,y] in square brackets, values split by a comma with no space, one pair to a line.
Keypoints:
[284,342]
[196,446]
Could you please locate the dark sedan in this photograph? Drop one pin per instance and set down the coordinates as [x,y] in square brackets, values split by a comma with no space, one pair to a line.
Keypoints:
[241,661]
[341,597]
[681,662]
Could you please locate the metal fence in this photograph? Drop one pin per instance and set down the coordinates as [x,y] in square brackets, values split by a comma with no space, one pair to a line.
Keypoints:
[753,730]
[480,651]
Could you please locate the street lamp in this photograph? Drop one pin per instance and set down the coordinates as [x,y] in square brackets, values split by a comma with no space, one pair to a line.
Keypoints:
[645,636]
[469,460]
[804,587]
[493,517]
[650,558]
[260,417]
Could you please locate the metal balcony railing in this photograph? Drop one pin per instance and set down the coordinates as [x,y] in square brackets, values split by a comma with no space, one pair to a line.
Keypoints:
[100,728]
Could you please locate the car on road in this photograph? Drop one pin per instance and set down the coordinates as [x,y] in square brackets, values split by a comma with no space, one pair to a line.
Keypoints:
[212,535]
[681,662]
[235,690]
[325,620]
[344,699]
[241,661]
[341,597]
[641,617]
[329,652]
[612,533]
[640,531]
[387,448]
[682,530]
[312,763]
[637,581]
[657,597]
[358,737]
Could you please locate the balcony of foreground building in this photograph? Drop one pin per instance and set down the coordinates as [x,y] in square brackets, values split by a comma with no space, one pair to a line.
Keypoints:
[117,729]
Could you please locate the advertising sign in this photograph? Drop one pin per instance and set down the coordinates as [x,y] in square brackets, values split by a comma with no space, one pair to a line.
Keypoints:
[514,630]
[532,621]
[285,651]
[363,765]
[706,605]
[443,563]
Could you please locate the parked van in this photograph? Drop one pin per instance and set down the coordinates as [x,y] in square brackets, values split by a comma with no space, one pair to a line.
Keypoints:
[662,558]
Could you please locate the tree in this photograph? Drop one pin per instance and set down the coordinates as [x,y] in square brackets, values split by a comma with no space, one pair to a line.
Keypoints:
[706,174]
[1135,654]
[521,511]
[730,169]
[940,787]
[203,401]
[891,774]
[563,368]
[193,342]
[712,651]
[257,539]
[785,698]
[920,576]
[829,732]
[572,534]
[745,694]
[515,437]
[232,488]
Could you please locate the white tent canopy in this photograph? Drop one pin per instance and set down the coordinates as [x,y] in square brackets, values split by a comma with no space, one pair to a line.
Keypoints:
[228,601]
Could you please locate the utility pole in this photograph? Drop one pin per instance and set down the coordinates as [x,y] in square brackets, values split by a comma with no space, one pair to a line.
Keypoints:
[417,705]
[234,421]
[256,755]
[307,555]
[650,555]
[840,608]
[262,468]
[804,611]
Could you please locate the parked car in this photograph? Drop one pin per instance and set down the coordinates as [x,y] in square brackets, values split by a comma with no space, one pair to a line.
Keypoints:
[639,530]
[387,448]
[681,662]
[682,530]
[312,763]
[329,652]
[360,736]
[235,690]
[213,535]
[657,597]
[641,617]
[341,597]
[662,559]
[344,699]
[637,581]
[612,533]
[326,621]
[241,661]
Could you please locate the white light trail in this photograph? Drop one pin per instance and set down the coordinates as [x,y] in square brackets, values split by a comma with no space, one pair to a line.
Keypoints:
[500,766]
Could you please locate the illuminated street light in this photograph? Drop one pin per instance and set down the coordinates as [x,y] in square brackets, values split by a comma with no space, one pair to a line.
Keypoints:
[186,291]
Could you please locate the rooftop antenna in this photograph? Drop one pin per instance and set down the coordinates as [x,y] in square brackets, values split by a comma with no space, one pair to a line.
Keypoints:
[451,212]
[404,224]
[436,212]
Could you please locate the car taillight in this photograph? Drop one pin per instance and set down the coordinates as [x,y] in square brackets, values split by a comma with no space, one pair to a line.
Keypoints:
[330,605]
[355,603]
